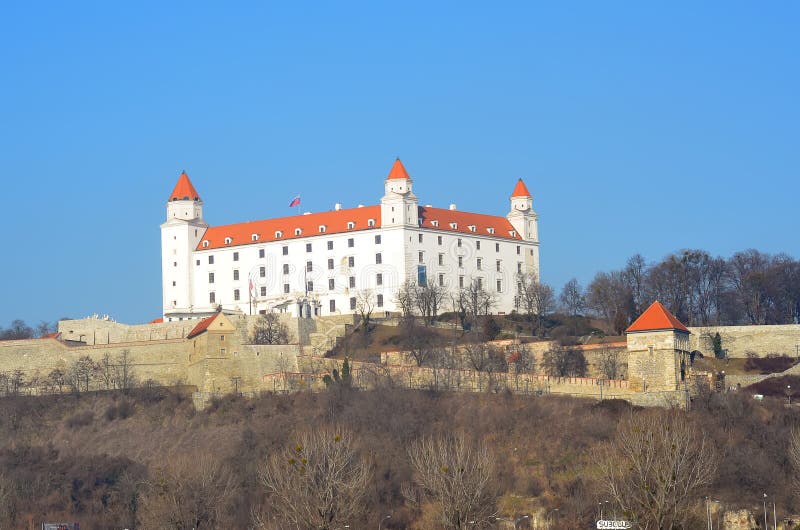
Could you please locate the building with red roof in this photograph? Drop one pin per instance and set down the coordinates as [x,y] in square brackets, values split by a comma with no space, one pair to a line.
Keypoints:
[323,263]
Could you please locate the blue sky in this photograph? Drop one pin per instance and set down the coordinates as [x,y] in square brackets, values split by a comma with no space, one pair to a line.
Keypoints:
[638,127]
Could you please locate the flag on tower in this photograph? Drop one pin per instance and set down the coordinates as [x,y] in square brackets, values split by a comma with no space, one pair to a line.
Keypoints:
[295,201]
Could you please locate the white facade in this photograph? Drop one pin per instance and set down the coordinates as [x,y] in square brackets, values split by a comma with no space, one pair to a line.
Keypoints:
[317,264]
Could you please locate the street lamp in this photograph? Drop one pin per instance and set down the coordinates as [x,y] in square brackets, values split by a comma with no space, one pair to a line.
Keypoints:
[765,511]
[518,519]
[382,520]
[789,393]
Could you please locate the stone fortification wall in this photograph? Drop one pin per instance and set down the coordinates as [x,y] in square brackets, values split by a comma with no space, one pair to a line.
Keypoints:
[98,331]
[740,340]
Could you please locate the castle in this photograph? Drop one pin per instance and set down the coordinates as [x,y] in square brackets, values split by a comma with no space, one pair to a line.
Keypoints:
[319,264]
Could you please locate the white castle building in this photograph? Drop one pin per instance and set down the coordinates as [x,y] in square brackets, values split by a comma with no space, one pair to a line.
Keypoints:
[318,263]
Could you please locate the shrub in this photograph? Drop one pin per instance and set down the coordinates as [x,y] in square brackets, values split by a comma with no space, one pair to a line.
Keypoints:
[81,419]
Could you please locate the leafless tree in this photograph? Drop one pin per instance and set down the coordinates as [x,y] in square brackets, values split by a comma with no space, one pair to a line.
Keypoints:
[270,330]
[18,330]
[457,475]
[609,363]
[561,361]
[571,298]
[418,341]
[319,481]
[476,300]
[365,305]
[191,492]
[81,374]
[656,467]
[609,296]
[406,298]
[124,376]
[794,457]
[429,299]
[522,359]
[535,299]
[105,371]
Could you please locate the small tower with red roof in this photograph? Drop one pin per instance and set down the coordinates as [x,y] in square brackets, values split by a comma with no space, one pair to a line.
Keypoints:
[399,205]
[658,346]
[180,235]
[525,223]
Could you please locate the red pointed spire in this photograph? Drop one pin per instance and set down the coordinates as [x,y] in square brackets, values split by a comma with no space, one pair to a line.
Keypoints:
[520,190]
[654,318]
[184,191]
[398,171]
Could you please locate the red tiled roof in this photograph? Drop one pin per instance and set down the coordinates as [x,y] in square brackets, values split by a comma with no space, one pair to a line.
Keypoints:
[336,222]
[398,171]
[654,318]
[184,191]
[520,190]
[158,320]
[201,326]
[51,335]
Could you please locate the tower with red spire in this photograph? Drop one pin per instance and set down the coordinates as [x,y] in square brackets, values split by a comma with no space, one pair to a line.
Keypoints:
[180,235]
[399,206]
[526,223]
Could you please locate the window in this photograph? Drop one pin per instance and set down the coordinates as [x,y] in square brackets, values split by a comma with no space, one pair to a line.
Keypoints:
[236,274]
[421,257]
[330,245]
[228,240]
[461,261]
[322,229]
[377,239]
[308,247]
[350,225]
[378,258]
[205,244]
[278,234]
[454,226]
[298,231]
[352,282]
[253,237]
[285,251]
[309,286]
[210,277]
[370,222]
[519,267]
[439,239]
[197,262]
[353,303]
[518,249]
[498,265]
[471,228]
[490,230]
[331,284]
[263,291]
[212,297]
[419,238]
[441,280]
[351,261]
[479,263]
[477,245]
[235,256]
[459,242]
[286,288]
[461,282]
[379,279]
[480,283]
[332,305]
[531,252]
[174,263]
[262,271]
[497,247]
[309,266]
[173,284]
[499,286]
[330,264]
[441,259]
[286,268]
[222,351]
[236,294]
[351,242]
[261,253]
[422,275]
[435,224]
[211,260]
[380,300]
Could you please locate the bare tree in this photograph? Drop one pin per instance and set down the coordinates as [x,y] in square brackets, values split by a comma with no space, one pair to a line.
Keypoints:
[81,374]
[365,305]
[610,297]
[571,298]
[561,361]
[656,467]
[794,457]
[418,341]
[429,299]
[319,481]
[191,492]
[406,298]
[18,330]
[270,330]
[536,299]
[124,377]
[610,363]
[456,474]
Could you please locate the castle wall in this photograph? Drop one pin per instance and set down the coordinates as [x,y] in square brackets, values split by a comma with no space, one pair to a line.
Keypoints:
[740,340]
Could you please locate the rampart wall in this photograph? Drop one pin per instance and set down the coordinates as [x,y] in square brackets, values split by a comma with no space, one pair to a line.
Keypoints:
[741,340]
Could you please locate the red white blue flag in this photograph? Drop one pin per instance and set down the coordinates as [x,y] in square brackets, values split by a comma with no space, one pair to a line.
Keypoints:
[295,201]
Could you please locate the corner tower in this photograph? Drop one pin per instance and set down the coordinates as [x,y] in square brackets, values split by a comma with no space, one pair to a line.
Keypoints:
[399,205]
[526,223]
[658,344]
[180,234]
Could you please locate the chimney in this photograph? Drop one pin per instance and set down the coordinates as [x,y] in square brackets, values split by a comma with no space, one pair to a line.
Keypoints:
[360,205]
[452,206]
[337,206]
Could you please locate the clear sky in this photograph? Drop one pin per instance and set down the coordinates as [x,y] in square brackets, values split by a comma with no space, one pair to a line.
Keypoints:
[638,127]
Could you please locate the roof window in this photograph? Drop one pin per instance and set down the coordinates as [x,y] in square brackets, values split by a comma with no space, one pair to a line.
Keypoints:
[435,223]
[278,234]
[254,237]
[228,240]
[490,230]
[513,233]
[471,228]
[370,222]
[205,243]
[298,231]
[351,225]
[454,226]
[322,229]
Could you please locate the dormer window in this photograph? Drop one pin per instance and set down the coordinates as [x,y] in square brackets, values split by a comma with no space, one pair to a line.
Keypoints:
[490,230]
[370,222]
[471,228]
[322,229]
[435,223]
[206,243]
[350,225]
[228,240]
[254,237]
[298,231]
[278,234]
[454,226]
[513,233]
